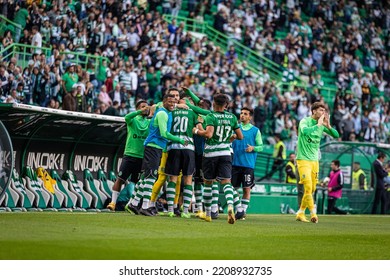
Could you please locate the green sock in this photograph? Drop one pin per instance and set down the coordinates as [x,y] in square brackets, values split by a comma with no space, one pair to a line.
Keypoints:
[187,196]
[228,191]
[170,194]
[215,194]
[236,201]
[207,198]
[245,204]
[148,185]
[199,196]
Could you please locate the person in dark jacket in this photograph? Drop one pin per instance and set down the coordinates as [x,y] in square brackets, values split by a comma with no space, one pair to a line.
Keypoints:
[70,103]
[380,192]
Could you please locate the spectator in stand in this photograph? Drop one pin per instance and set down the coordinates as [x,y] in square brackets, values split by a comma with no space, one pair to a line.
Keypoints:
[104,97]
[69,79]
[331,39]
[70,103]
[36,39]
[374,117]
[347,126]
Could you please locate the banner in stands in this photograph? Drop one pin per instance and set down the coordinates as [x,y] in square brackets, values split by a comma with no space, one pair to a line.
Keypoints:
[62,140]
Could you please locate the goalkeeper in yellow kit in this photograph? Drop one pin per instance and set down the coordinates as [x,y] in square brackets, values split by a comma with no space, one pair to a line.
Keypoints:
[309,137]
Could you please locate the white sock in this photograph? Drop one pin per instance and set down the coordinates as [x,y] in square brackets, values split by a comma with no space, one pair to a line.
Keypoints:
[114,197]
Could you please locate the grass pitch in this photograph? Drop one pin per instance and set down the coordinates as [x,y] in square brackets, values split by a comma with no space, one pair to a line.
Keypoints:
[79,236]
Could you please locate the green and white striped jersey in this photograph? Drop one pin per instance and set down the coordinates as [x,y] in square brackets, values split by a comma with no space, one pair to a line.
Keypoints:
[224,124]
[183,121]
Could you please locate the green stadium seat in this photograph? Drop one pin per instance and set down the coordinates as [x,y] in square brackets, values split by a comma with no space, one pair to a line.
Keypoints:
[281,34]
[70,200]
[10,201]
[91,185]
[368,69]
[58,198]
[26,196]
[112,176]
[326,74]
[105,185]
[183,14]
[209,19]
[84,199]
[43,198]
[2,202]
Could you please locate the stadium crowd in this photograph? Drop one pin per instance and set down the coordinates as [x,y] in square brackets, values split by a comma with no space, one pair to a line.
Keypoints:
[141,56]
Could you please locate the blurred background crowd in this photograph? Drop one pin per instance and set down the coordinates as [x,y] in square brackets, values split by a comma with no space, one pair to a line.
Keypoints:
[126,50]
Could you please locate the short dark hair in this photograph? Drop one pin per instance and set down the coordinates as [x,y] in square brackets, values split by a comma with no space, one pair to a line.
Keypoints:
[317,105]
[336,162]
[139,102]
[172,89]
[207,103]
[381,155]
[221,99]
[250,110]
[168,95]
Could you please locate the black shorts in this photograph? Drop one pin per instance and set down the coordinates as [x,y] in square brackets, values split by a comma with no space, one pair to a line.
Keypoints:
[198,177]
[217,168]
[130,166]
[243,177]
[180,160]
[151,162]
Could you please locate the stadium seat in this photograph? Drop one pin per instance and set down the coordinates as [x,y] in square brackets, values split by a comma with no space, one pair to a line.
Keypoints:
[84,199]
[111,176]
[10,201]
[50,185]
[105,185]
[43,198]
[70,197]
[4,208]
[91,185]
[26,196]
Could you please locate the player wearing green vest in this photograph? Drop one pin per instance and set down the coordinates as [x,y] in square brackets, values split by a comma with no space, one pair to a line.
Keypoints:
[310,132]
[181,158]
[203,111]
[155,143]
[162,177]
[359,180]
[217,159]
[137,130]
